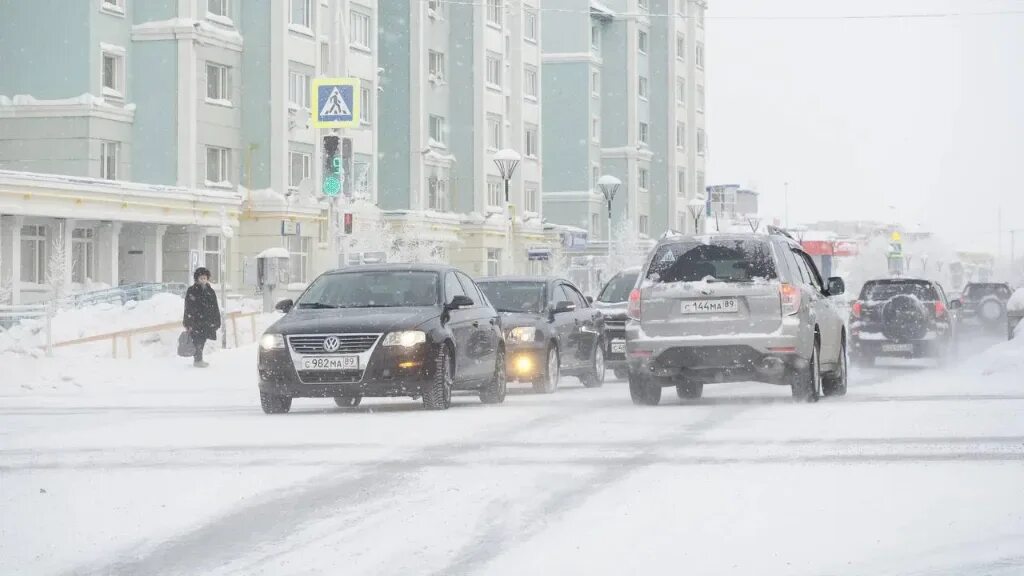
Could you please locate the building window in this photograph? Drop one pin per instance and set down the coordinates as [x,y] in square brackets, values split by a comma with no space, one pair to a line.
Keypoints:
[438,134]
[212,253]
[110,153]
[218,7]
[298,89]
[644,132]
[83,255]
[700,98]
[217,165]
[700,183]
[595,225]
[642,224]
[681,90]
[437,193]
[218,83]
[595,83]
[700,15]
[532,142]
[681,182]
[299,168]
[595,129]
[113,73]
[530,26]
[530,82]
[595,38]
[300,13]
[116,6]
[681,47]
[494,132]
[495,192]
[493,261]
[702,141]
[642,87]
[493,70]
[325,56]
[433,7]
[298,252]
[643,178]
[681,7]
[33,254]
[642,4]
[365,102]
[360,28]
[595,175]
[435,65]
[681,135]
[494,12]
[641,42]
[700,55]
[530,197]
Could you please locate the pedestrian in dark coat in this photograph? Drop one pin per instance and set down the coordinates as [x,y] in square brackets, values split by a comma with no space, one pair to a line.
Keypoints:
[202,314]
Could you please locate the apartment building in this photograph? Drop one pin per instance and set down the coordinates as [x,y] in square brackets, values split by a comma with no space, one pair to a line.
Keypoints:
[461,81]
[153,136]
[624,92]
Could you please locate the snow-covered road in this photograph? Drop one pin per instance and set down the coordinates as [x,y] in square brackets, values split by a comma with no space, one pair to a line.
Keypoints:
[152,467]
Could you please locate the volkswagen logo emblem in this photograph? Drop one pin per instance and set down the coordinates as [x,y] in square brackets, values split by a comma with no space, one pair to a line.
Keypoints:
[707,291]
[332,343]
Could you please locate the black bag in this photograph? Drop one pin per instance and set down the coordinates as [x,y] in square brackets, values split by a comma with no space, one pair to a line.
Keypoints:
[186,347]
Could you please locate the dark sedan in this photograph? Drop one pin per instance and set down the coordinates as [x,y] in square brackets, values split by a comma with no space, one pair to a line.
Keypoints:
[388,330]
[550,330]
[612,301]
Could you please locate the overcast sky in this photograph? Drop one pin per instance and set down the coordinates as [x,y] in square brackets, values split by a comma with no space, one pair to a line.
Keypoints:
[858,115]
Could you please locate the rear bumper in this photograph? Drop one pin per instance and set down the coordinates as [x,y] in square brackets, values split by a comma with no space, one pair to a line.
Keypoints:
[932,348]
[388,373]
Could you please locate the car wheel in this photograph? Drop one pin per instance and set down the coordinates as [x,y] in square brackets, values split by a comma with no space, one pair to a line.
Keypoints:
[348,401]
[834,384]
[275,404]
[595,377]
[806,384]
[494,391]
[689,390]
[438,395]
[644,390]
[548,382]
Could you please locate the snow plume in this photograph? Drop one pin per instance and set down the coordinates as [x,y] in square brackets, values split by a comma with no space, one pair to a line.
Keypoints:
[399,247]
[629,248]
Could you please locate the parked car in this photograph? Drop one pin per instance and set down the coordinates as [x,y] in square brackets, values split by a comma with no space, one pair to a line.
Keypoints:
[734,307]
[551,329]
[384,330]
[984,304]
[612,301]
[903,318]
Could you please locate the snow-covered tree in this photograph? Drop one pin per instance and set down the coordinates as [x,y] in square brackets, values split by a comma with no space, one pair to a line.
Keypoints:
[57,267]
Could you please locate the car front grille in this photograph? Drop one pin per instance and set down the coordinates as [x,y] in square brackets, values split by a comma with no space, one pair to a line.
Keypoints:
[330,376]
[350,343]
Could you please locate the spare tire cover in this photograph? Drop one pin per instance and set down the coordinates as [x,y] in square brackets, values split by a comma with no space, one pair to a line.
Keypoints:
[991,310]
[904,318]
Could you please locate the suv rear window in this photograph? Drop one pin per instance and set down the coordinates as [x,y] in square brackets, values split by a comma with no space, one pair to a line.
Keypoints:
[618,288]
[721,259]
[882,291]
[979,291]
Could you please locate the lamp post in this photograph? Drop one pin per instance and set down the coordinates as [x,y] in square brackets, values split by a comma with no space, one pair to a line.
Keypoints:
[696,208]
[609,186]
[507,160]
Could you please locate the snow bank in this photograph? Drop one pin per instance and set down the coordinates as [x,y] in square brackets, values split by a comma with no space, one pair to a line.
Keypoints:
[1016,302]
[275,252]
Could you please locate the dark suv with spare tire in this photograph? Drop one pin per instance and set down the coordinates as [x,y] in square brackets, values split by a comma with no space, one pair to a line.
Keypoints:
[902,318]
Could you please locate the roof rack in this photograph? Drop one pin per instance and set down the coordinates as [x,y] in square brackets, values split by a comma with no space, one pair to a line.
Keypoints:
[776,231]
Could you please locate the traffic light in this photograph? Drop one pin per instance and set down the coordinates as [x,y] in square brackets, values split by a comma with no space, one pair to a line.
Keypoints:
[348,223]
[333,173]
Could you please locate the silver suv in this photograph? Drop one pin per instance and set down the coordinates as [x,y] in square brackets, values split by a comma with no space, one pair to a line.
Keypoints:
[732,308]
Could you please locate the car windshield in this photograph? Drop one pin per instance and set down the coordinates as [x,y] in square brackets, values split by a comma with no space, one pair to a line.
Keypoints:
[882,291]
[618,288]
[719,259]
[378,289]
[979,291]
[515,296]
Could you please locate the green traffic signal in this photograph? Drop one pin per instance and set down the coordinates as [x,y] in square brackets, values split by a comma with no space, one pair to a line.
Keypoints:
[332,185]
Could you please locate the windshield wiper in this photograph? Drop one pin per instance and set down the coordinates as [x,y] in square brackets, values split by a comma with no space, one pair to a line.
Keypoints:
[317,305]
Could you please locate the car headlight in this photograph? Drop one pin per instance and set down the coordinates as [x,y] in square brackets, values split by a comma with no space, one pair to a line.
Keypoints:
[407,338]
[272,342]
[522,334]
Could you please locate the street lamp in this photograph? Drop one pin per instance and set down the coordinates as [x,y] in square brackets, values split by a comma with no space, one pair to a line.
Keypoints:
[696,208]
[507,160]
[609,186]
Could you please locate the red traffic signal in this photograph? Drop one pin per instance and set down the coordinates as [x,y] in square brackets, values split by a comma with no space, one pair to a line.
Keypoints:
[348,222]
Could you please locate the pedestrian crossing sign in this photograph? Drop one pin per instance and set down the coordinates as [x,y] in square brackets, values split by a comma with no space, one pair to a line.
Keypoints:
[335,102]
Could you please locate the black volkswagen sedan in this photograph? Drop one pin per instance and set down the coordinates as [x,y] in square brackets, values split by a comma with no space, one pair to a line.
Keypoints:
[550,330]
[388,330]
[612,301]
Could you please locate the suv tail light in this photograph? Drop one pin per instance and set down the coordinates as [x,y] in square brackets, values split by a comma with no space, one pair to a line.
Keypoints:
[633,311]
[856,309]
[940,309]
[790,299]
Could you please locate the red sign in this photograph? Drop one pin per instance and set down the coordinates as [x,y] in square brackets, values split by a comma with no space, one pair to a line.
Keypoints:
[827,248]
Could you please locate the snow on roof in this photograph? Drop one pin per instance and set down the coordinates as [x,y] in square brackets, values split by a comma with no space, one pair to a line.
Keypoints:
[275,252]
[1016,302]
[85,99]
[202,26]
[601,8]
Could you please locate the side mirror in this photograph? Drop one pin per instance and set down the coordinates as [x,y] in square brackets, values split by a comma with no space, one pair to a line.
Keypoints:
[459,302]
[563,307]
[836,286]
[285,305]
[956,304]
[590,299]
